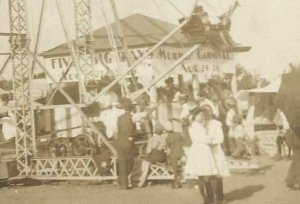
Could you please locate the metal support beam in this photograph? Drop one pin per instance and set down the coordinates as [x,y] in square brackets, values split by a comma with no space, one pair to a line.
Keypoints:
[5,64]
[136,63]
[9,34]
[71,45]
[83,26]
[25,139]
[37,39]
[124,43]
[71,101]
[173,66]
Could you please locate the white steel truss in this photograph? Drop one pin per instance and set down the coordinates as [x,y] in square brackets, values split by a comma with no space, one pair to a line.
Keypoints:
[65,168]
[83,26]
[25,139]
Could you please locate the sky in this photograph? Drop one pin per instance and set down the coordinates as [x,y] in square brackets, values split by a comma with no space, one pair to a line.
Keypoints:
[270,27]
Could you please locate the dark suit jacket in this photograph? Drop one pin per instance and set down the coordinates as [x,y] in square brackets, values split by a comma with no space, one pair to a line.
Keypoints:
[125,130]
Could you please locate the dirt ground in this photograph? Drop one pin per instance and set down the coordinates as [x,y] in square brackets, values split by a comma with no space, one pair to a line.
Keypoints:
[258,188]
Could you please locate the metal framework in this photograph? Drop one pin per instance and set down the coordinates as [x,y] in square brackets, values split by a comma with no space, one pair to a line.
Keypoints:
[84,37]
[63,168]
[85,168]
[66,168]
[25,139]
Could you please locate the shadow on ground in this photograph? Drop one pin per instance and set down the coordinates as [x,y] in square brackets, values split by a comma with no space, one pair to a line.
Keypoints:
[242,193]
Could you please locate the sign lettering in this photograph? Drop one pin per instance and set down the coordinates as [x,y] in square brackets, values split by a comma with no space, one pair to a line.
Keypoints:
[204,61]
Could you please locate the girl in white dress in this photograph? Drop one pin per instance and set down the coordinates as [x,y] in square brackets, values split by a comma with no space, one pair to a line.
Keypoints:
[200,160]
[216,137]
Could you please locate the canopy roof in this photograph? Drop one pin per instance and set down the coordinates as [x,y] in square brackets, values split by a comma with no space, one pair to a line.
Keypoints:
[139,30]
[273,87]
[144,31]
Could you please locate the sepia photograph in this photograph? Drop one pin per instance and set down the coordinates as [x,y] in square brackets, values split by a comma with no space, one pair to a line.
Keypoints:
[149,101]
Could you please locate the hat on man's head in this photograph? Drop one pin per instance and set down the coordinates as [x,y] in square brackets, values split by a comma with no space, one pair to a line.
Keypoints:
[169,80]
[202,94]
[126,103]
[230,102]
[198,9]
[237,119]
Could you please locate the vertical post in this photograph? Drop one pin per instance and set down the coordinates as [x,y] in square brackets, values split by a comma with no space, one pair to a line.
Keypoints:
[83,26]
[25,139]
[195,85]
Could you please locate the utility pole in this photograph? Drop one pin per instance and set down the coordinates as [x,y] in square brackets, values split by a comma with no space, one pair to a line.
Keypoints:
[25,138]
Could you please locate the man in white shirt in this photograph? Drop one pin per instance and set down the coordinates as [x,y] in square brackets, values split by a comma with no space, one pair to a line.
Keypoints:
[282,127]
[110,117]
[187,107]
[229,122]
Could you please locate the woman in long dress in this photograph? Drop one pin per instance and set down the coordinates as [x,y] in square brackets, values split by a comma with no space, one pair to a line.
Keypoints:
[200,160]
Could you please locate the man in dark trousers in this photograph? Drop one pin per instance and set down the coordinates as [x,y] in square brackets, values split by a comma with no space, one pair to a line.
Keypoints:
[293,178]
[124,143]
[175,153]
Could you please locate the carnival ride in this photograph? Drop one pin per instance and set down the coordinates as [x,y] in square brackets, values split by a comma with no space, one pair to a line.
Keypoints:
[80,157]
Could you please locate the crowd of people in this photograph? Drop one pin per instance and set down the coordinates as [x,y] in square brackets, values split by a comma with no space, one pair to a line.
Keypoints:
[196,151]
